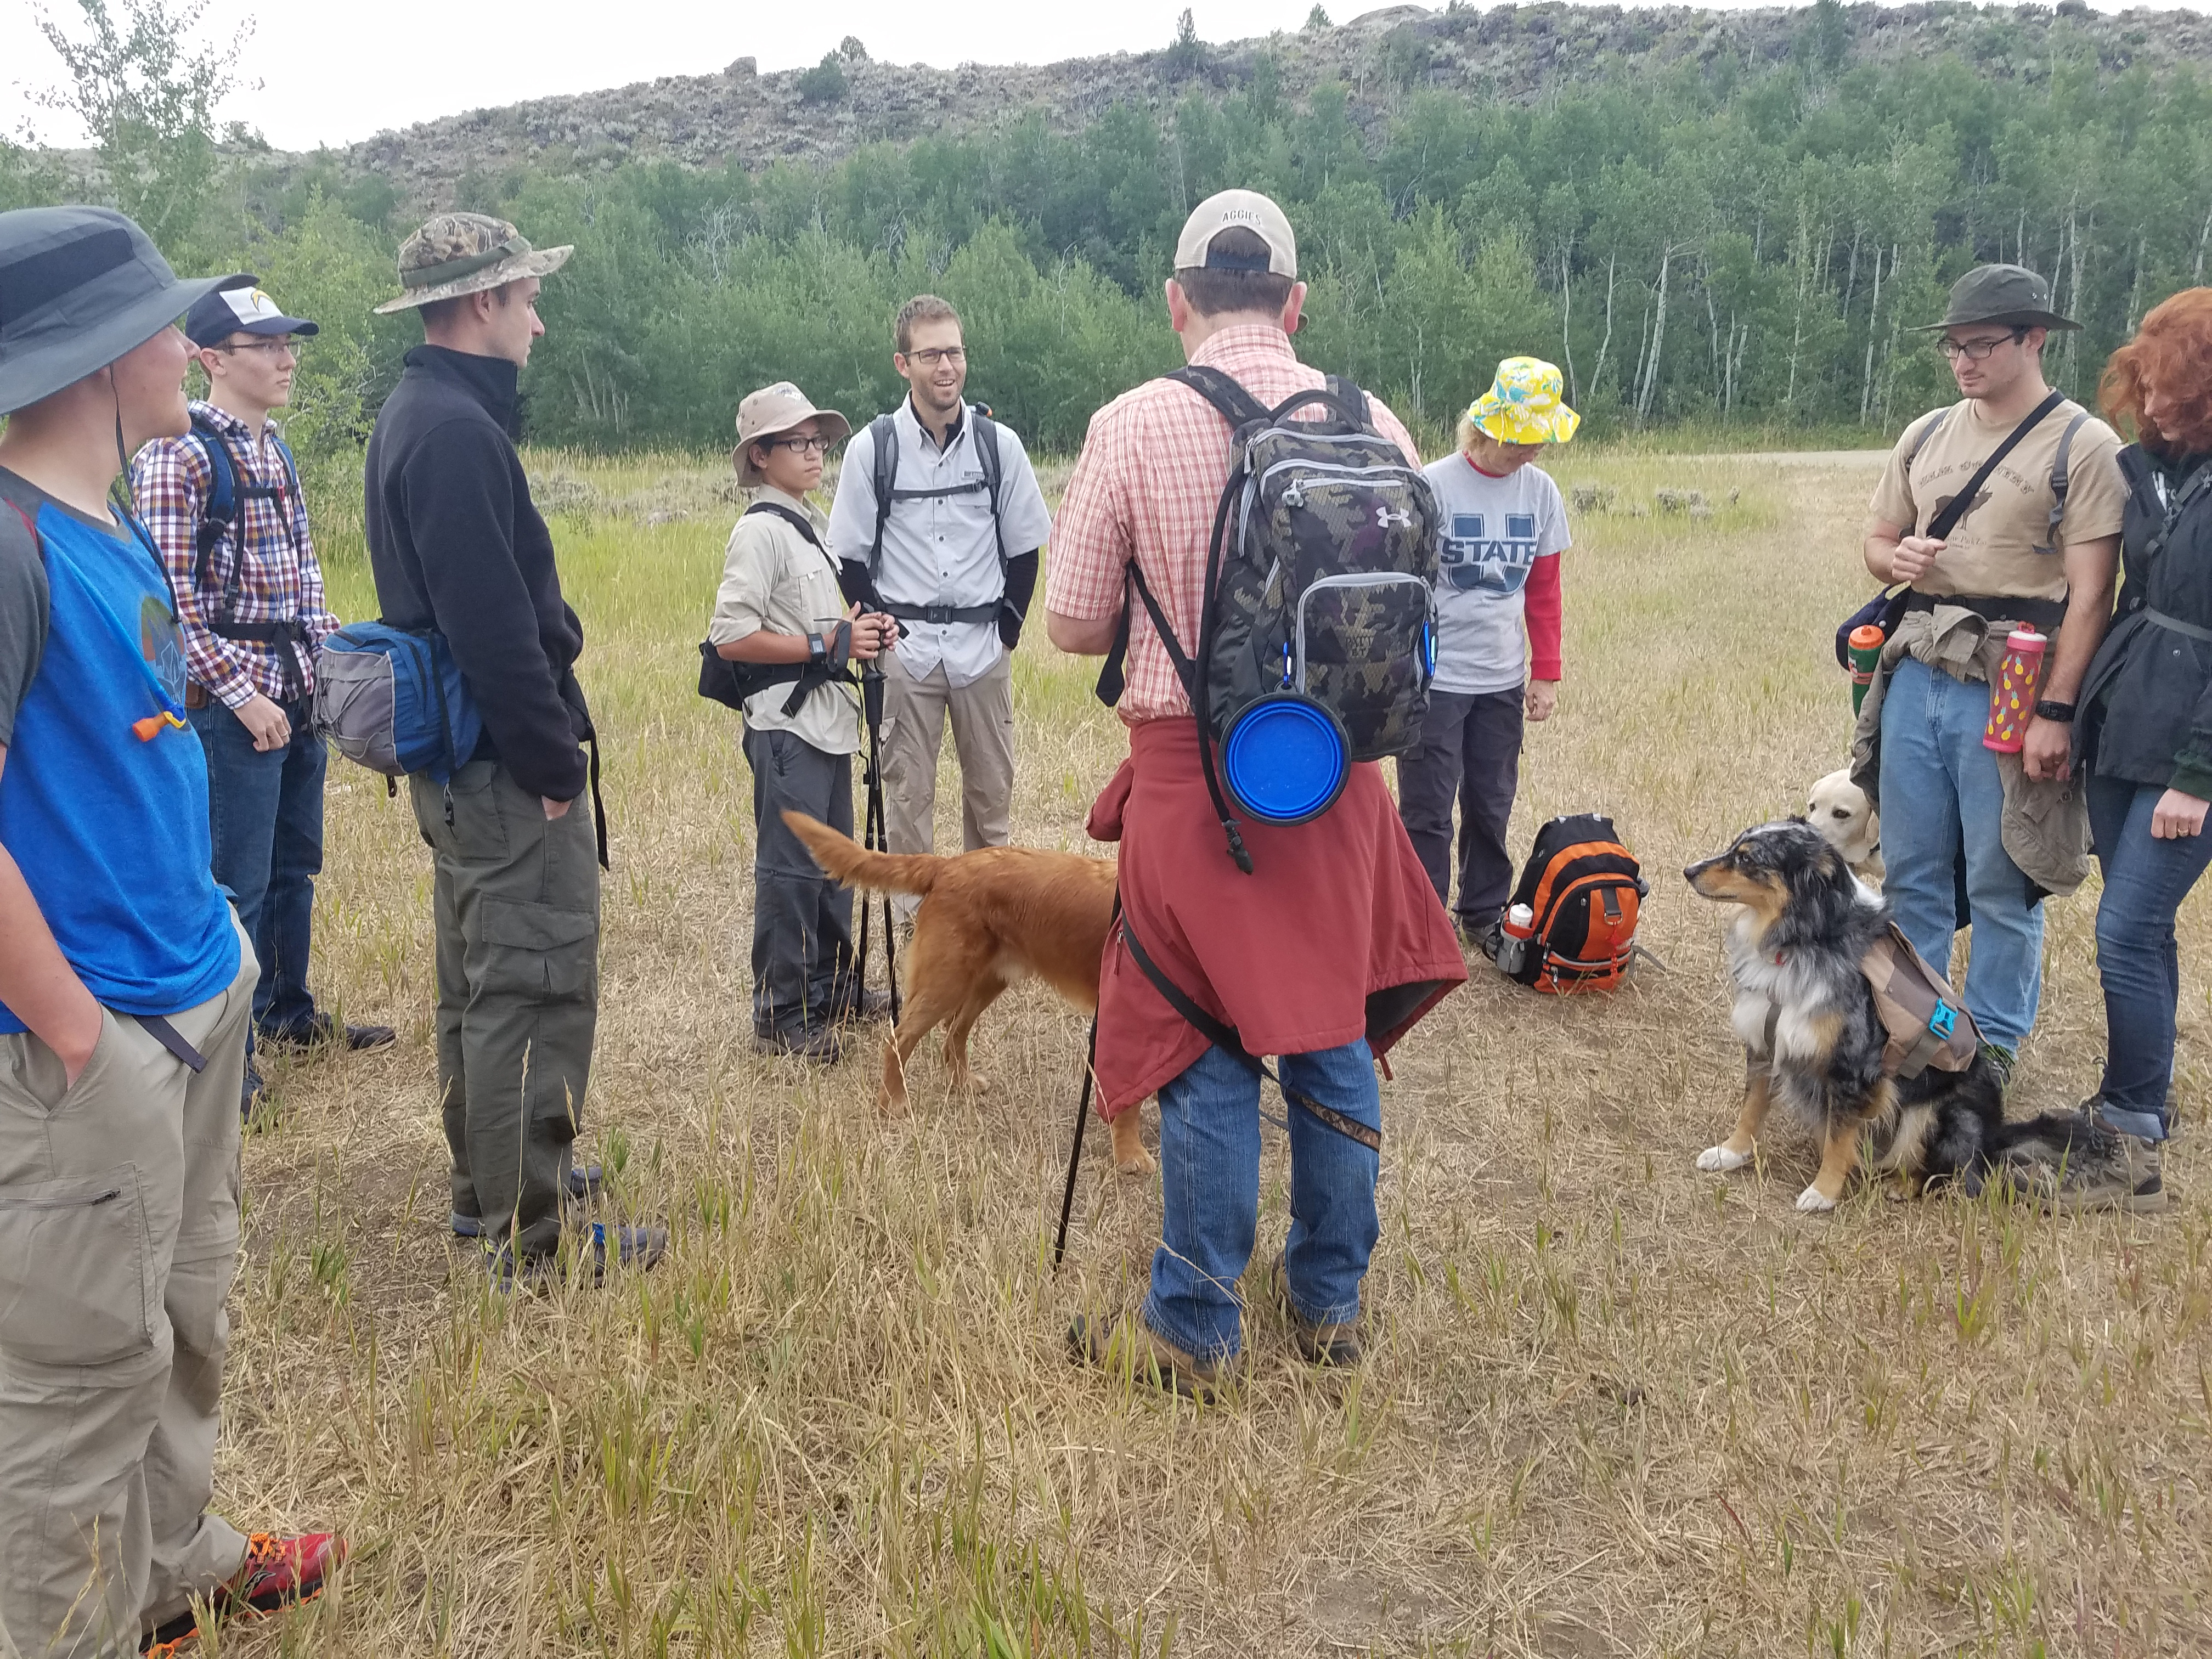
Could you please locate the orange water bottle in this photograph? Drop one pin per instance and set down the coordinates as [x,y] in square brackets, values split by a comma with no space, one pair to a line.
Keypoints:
[2011,697]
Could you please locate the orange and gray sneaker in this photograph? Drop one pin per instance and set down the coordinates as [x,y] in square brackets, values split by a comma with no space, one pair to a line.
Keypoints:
[277,1573]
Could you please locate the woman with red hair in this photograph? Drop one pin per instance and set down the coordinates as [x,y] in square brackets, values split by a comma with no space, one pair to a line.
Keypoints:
[2144,730]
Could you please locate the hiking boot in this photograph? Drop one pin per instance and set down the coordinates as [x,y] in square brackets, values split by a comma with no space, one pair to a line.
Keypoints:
[1486,936]
[1318,1344]
[2108,1169]
[871,1005]
[596,1250]
[322,1029]
[1156,1359]
[278,1572]
[818,1045]
[584,1183]
[2004,1060]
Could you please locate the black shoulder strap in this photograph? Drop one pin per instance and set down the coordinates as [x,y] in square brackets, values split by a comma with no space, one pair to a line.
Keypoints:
[1112,678]
[1354,401]
[1955,510]
[1926,433]
[883,464]
[993,465]
[798,521]
[221,508]
[1237,406]
[2060,481]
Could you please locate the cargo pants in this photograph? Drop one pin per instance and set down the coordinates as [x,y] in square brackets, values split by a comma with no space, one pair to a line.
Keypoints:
[118,1235]
[914,713]
[517,904]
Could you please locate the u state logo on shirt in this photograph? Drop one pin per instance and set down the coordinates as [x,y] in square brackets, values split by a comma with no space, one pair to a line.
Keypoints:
[1474,563]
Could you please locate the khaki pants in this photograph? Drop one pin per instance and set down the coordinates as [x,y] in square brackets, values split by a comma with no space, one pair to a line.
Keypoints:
[983,738]
[118,1233]
[517,900]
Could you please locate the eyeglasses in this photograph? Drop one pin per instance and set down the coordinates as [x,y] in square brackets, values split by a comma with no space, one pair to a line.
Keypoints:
[817,445]
[930,357]
[271,349]
[1976,351]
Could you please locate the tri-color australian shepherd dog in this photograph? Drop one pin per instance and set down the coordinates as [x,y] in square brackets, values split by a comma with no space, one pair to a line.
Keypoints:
[1814,1040]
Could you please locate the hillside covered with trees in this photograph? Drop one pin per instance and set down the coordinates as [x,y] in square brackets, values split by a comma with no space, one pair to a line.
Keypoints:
[1731,225]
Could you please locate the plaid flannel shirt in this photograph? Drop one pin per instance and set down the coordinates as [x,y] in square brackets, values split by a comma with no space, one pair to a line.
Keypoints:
[1151,472]
[277,576]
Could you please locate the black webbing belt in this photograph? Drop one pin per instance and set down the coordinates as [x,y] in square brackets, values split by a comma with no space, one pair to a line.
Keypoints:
[1225,1038]
[938,616]
[288,639]
[2045,614]
[173,1040]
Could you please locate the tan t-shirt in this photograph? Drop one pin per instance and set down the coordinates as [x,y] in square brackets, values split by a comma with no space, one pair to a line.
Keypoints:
[773,578]
[1991,550]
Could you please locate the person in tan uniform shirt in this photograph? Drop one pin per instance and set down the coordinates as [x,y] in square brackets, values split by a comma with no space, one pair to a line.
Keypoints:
[2022,552]
[779,605]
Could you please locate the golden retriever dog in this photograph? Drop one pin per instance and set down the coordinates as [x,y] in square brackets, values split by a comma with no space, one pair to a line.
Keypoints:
[1846,819]
[987,918]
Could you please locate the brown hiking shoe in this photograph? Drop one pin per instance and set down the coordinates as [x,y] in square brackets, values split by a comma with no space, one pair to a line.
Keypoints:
[2102,1168]
[1318,1344]
[1153,1356]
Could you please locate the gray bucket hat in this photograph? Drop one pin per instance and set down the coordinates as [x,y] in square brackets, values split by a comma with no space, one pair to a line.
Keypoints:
[79,288]
[456,253]
[1999,293]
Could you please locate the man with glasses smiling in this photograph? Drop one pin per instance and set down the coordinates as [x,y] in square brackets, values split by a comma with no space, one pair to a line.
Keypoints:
[224,507]
[2035,542]
[938,520]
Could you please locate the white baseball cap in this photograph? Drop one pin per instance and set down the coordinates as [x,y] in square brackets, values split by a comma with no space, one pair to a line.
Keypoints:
[1236,210]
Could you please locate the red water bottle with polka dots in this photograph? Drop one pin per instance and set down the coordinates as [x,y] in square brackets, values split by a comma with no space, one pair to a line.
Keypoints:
[2012,698]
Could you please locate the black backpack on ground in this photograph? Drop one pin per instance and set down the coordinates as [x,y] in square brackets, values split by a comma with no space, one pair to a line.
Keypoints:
[1319,580]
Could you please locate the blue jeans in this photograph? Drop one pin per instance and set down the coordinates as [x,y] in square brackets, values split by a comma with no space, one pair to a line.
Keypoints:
[265,819]
[1210,1181]
[1939,784]
[2145,881]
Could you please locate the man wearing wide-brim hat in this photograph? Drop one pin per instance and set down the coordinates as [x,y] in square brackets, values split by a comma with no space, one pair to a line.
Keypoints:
[2036,545]
[781,620]
[125,988]
[458,548]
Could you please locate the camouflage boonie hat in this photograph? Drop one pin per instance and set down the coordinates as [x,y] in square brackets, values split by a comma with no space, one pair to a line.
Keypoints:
[458,253]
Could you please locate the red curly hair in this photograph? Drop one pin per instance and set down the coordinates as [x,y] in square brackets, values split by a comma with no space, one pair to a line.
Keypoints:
[2171,351]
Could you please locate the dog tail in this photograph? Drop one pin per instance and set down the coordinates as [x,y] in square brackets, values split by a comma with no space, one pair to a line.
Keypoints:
[853,864]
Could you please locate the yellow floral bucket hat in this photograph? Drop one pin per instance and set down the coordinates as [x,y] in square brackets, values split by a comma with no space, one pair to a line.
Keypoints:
[1525,404]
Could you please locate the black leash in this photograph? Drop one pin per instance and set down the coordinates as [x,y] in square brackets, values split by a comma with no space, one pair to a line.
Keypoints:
[877,836]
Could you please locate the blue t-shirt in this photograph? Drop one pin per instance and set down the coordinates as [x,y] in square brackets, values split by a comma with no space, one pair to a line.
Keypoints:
[110,830]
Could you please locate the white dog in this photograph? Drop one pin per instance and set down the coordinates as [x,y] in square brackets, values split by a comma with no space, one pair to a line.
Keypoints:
[1846,819]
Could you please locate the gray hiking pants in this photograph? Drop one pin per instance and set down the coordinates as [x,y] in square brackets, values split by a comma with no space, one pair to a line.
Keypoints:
[119,1234]
[517,900]
[802,921]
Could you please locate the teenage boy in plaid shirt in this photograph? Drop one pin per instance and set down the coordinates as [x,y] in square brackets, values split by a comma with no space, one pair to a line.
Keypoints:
[251,613]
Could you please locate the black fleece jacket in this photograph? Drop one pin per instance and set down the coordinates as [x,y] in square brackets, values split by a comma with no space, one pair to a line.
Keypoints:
[456,546]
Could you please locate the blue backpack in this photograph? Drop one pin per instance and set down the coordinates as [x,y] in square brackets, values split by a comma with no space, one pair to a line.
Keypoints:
[392,699]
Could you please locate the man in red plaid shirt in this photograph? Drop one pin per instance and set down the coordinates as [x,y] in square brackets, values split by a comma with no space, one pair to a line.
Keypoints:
[1332,946]
[224,507]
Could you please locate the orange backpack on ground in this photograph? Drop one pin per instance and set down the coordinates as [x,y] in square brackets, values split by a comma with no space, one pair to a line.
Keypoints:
[1584,889]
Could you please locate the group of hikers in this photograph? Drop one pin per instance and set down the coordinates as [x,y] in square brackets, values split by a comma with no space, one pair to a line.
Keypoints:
[161,779]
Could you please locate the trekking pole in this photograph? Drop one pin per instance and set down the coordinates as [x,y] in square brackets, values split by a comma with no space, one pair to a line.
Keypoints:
[877,833]
[1075,1153]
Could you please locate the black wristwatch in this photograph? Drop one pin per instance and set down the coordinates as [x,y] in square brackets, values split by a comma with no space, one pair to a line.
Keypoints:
[817,648]
[2050,710]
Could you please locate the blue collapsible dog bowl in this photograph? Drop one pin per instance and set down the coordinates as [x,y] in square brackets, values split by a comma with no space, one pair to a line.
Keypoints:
[1286,759]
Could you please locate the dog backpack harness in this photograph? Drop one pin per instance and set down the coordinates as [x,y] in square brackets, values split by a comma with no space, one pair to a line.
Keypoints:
[1927,1025]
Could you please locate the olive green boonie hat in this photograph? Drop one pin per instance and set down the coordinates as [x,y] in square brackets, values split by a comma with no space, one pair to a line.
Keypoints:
[458,253]
[2010,294]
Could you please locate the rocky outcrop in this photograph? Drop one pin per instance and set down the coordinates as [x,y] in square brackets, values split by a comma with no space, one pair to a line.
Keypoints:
[1380,58]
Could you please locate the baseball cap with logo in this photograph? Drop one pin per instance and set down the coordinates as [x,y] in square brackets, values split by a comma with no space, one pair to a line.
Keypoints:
[241,309]
[1236,210]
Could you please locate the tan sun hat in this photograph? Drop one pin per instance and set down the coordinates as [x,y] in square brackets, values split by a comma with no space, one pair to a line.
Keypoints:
[456,254]
[774,410]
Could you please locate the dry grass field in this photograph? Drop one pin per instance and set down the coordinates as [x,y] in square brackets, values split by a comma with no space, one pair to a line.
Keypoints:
[1613,1406]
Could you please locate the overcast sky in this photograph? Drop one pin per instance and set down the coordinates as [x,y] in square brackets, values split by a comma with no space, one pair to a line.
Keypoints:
[332,73]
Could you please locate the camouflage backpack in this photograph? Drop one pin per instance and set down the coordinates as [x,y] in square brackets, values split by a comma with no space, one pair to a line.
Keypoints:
[1319,580]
